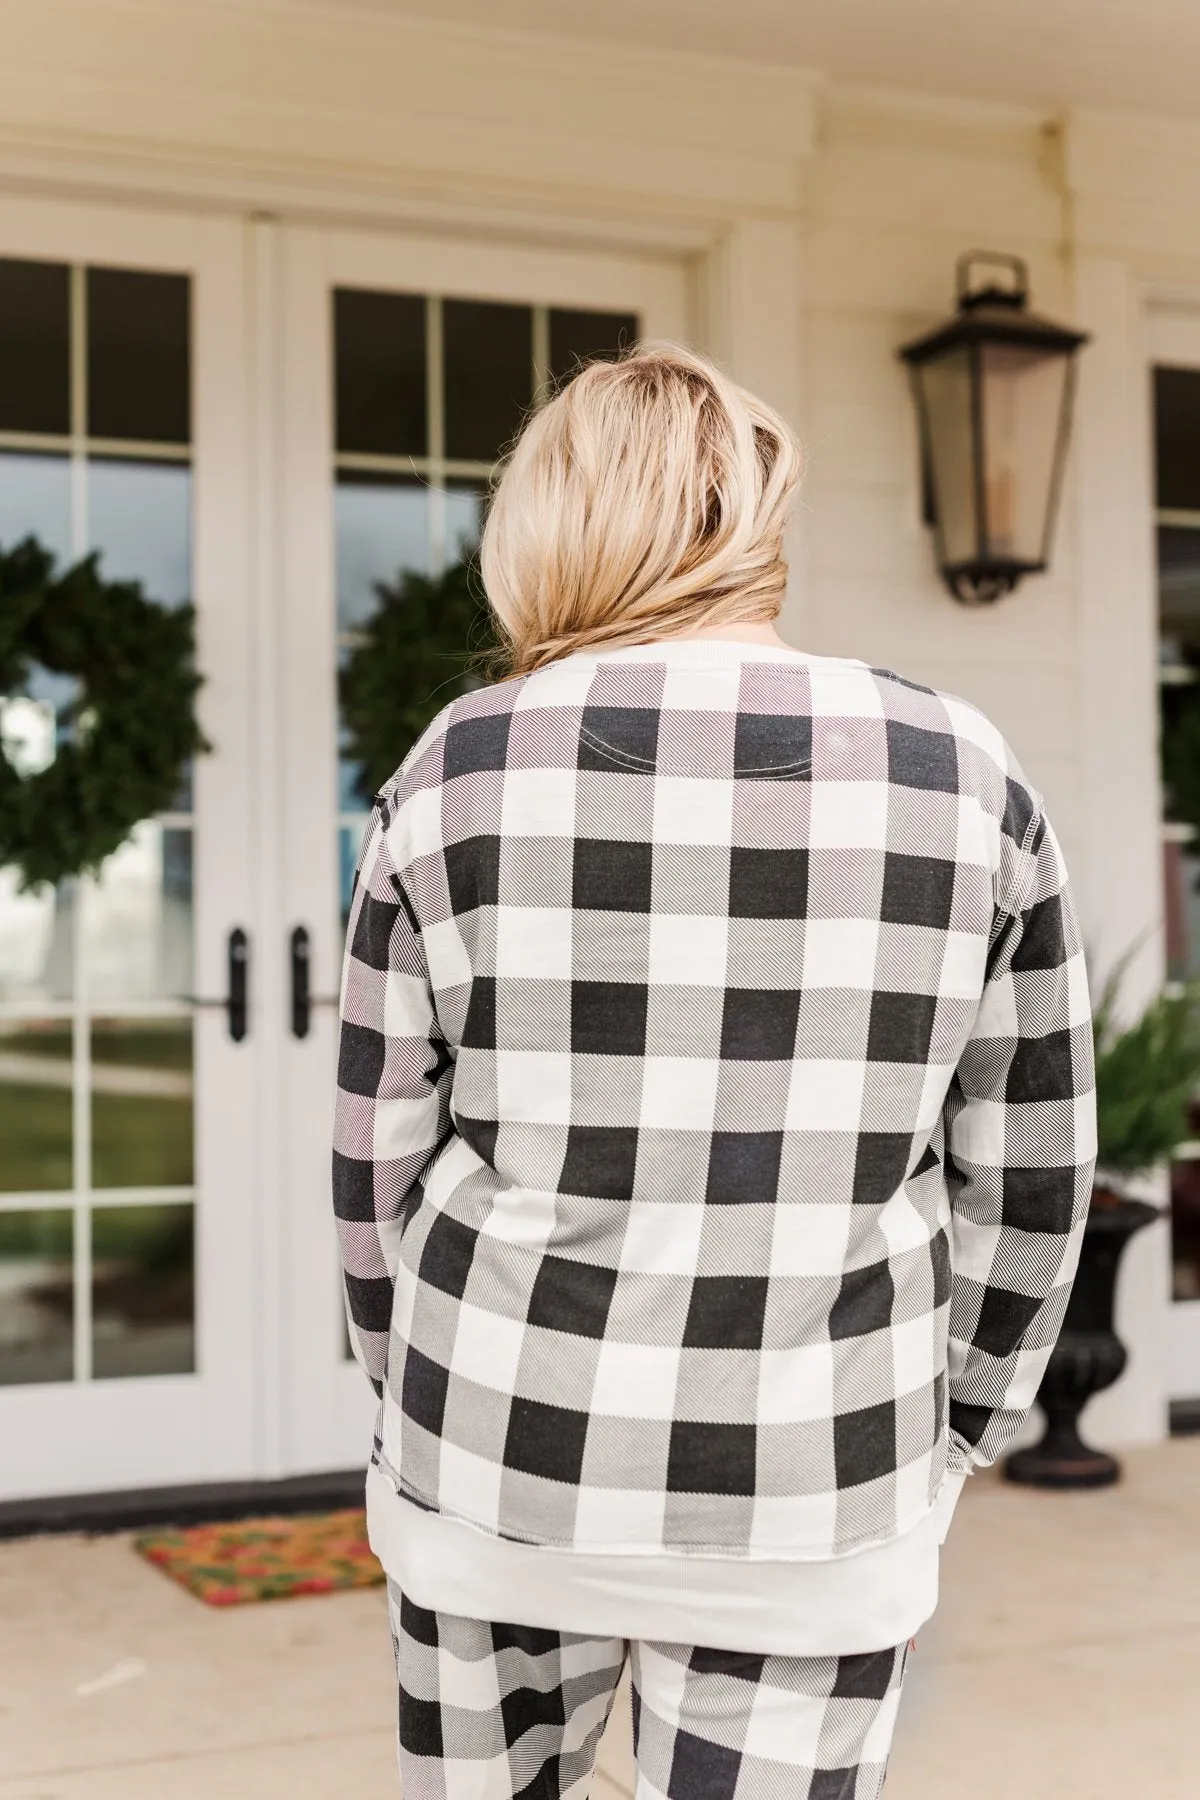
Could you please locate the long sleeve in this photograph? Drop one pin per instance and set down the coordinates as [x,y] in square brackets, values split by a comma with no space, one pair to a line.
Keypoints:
[393,1093]
[1020,1143]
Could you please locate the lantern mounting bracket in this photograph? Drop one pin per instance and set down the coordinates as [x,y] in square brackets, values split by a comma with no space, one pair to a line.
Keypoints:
[1017,295]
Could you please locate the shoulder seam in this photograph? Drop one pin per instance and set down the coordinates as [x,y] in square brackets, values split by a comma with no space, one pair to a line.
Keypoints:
[1031,830]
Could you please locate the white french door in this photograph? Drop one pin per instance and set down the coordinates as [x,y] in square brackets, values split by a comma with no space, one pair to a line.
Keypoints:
[405,364]
[128,1236]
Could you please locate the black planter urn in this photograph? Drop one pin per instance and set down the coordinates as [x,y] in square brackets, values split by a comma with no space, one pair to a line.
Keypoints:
[1088,1357]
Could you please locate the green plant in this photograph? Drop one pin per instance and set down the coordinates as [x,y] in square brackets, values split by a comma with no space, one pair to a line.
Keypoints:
[123,744]
[1147,1075]
[429,639]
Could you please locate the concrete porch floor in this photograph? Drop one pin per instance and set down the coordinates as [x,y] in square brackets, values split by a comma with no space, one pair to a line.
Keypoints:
[1064,1662]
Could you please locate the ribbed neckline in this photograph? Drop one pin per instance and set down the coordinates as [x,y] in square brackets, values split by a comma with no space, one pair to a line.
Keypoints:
[693,653]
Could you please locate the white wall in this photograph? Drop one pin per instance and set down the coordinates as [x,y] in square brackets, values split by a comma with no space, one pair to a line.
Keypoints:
[894,198]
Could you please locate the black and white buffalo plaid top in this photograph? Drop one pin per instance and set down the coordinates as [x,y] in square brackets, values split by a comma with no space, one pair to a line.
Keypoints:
[715,1112]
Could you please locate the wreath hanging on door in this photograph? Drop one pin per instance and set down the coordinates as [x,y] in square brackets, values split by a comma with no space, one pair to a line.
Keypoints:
[122,744]
[429,639]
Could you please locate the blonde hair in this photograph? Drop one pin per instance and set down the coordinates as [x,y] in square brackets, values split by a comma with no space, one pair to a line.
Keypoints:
[647,499]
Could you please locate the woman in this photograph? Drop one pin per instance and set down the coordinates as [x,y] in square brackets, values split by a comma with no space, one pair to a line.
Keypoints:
[713,1137]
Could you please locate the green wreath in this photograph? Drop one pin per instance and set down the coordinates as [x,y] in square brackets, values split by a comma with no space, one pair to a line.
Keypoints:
[124,742]
[428,640]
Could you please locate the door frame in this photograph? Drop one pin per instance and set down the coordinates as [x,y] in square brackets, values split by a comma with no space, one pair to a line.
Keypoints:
[71,1436]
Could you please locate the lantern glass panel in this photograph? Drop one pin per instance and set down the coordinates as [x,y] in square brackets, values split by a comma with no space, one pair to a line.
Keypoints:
[1024,389]
[944,386]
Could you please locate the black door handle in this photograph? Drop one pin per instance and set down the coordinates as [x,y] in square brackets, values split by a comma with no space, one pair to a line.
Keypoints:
[236,1009]
[234,1005]
[301,988]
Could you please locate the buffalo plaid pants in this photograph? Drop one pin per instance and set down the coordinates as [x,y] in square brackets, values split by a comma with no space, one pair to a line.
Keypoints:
[511,1712]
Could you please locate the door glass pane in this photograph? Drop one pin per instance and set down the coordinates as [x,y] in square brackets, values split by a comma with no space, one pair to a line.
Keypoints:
[143,1291]
[385,528]
[488,375]
[582,337]
[35,500]
[137,925]
[35,338]
[1179,594]
[142,1103]
[465,504]
[35,1105]
[382,531]
[140,519]
[380,373]
[36,941]
[350,838]
[138,360]
[1177,438]
[381,524]
[37,1309]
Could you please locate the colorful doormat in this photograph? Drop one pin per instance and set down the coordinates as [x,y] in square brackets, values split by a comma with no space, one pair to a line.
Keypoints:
[266,1559]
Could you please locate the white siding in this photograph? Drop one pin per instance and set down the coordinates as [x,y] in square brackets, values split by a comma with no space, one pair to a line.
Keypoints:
[892,201]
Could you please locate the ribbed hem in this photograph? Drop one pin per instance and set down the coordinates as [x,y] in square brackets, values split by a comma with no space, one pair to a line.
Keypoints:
[870,1600]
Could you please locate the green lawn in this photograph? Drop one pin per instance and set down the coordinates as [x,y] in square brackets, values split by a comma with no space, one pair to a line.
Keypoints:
[137,1140]
[141,1141]
[35,1130]
[50,1038]
[139,1045]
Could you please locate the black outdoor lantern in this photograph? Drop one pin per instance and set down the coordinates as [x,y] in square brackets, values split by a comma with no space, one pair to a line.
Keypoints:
[993,388]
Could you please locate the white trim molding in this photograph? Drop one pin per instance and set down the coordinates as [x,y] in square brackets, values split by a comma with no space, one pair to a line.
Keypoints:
[363,99]
[1135,185]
